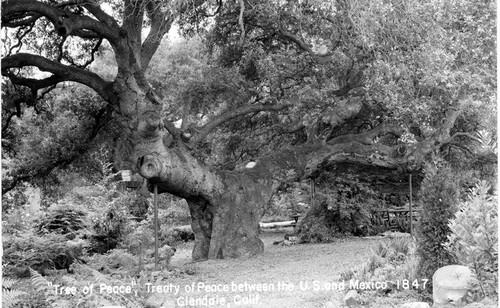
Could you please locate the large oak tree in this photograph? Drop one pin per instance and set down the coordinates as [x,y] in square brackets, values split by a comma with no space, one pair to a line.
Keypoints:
[408,68]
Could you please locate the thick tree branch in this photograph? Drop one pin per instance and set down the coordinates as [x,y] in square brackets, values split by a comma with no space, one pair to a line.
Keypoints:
[462,134]
[368,137]
[133,18]
[241,22]
[34,84]
[171,129]
[60,71]
[289,129]
[160,25]
[101,15]
[462,148]
[296,40]
[6,121]
[27,21]
[373,154]
[223,118]
[65,22]
[321,58]
[443,133]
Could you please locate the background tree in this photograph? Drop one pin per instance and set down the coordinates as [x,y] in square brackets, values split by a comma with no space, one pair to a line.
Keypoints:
[376,83]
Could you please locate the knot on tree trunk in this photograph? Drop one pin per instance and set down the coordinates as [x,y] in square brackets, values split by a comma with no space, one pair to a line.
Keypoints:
[150,166]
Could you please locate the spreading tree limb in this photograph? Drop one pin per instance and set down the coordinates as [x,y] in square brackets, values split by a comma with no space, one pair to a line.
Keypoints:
[65,22]
[232,114]
[60,73]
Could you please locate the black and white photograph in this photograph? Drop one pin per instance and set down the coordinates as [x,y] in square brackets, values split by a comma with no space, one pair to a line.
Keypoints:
[249,154]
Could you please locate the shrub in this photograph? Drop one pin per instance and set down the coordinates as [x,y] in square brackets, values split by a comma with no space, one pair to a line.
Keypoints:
[111,221]
[342,207]
[390,261]
[474,238]
[400,258]
[64,219]
[39,252]
[439,197]
[116,262]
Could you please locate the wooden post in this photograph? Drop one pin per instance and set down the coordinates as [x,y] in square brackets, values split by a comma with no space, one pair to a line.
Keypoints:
[156,224]
[411,211]
[312,193]
[141,257]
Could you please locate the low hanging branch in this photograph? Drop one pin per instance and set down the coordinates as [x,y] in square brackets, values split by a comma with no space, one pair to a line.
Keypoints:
[369,136]
[65,22]
[60,73]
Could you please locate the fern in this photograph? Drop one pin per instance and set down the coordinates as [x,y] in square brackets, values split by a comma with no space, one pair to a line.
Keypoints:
[10,297]
[118,299]
[486,141]
[99,277]
[39,282]
[7,283]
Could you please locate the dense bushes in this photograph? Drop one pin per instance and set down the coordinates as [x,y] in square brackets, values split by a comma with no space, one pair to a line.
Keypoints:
[55,237]
[51,251]
[342,207]
[64,220]
[86,220]
[474,238]
[439,196]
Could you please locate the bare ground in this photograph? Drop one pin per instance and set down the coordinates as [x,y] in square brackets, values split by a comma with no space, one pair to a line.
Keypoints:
[314,264]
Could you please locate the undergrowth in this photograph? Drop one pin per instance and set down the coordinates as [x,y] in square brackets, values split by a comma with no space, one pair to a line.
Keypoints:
[394,262]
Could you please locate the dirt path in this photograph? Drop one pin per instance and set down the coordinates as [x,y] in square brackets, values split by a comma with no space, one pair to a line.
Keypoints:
[277,277]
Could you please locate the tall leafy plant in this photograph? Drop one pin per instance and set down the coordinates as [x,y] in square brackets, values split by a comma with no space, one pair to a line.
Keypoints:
[474,238]
[439,196]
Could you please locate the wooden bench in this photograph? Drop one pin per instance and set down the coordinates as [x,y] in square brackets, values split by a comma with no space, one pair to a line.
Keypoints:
[282,224]
[390,216]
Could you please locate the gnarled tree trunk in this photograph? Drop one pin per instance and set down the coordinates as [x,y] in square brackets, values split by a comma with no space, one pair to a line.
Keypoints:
[226,206]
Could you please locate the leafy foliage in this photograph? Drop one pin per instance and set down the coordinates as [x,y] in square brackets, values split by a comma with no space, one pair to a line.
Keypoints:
[43,291]
[172,212]
[88,219]
[343,207]
[64,220]
[389,261]
[40,252]
[474,238]
[116,261]
[10,296]
[66,126]
[487,142]
[111,225]
[43,286]
[104,217]
[439,197]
